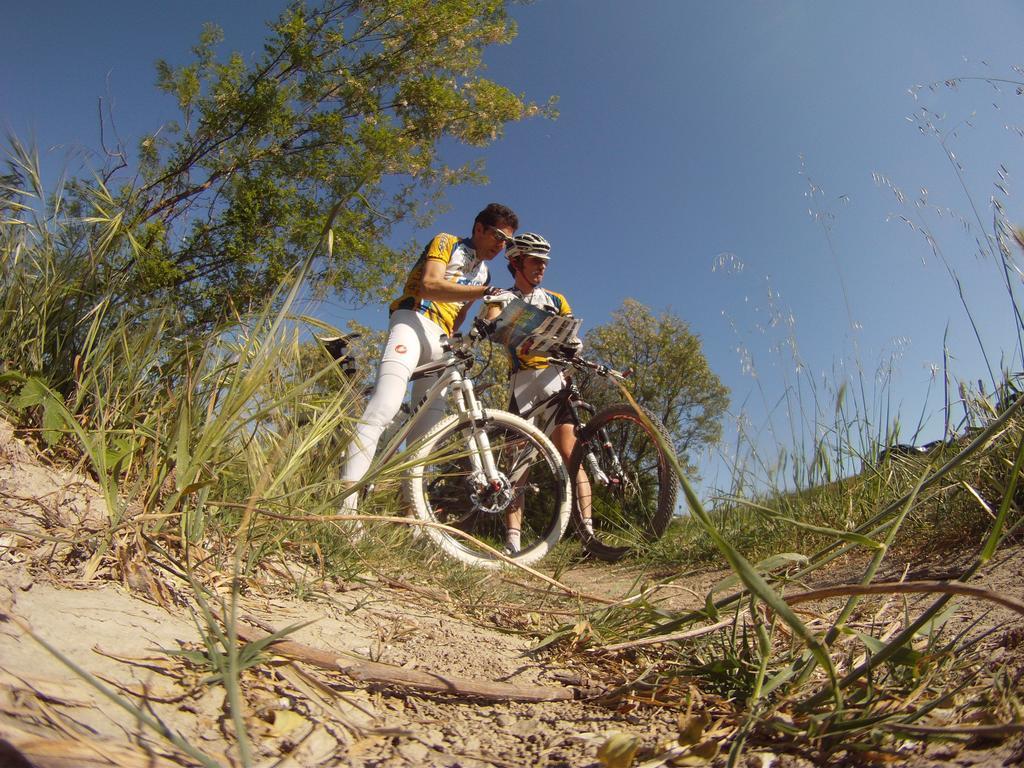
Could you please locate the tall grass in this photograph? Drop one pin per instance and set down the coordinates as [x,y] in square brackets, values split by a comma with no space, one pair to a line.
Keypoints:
[195,441]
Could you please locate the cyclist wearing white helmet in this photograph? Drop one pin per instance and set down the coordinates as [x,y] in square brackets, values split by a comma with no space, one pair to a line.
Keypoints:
[450,274]
[532,377]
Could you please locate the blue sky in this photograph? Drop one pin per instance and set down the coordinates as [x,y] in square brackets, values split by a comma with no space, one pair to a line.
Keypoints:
[694,138]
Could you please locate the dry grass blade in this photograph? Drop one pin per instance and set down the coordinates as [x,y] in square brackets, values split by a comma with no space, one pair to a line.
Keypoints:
[574,593]
[354,717]
[998,527]
[35,751]
[977,496]
[894,525]
[982,731]
[906,587]
[669,638]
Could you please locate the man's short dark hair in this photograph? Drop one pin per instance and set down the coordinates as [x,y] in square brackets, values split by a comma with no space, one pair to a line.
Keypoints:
[497,215]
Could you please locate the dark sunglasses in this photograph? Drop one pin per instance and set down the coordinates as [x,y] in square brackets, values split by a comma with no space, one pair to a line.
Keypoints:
[499,235]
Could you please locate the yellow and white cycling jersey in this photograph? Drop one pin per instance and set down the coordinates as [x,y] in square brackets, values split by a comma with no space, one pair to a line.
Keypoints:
[461,266]
[547,300]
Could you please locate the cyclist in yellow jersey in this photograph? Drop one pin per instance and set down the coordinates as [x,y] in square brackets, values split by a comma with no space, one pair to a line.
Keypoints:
[460,266]
[449,275]
[532,378]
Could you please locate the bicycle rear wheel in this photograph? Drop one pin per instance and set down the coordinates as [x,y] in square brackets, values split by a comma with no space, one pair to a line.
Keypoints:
[443,487]
[632,489]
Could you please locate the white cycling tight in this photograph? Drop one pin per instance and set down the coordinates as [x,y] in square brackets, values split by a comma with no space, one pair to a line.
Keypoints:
[412,341]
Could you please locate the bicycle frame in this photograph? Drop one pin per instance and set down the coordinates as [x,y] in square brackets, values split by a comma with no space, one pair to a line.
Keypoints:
[569,397]
[453,383]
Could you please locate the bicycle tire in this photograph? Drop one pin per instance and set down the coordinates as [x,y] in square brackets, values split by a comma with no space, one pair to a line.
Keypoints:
[440,488]
[634,508]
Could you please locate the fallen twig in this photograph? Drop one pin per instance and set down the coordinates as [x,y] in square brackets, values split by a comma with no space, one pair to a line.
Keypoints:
[989,731]
[376,672]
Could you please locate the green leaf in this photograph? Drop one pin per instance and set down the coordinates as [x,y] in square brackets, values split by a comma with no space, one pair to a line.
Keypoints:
[54,420]
[250,651]
[552,638]
[118,452]
[33,392]
[55,415]
[773,563]
[902,657]
[709,606]
[183,457]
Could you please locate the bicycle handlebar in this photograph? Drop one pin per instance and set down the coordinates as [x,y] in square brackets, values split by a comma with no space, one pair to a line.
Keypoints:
[582,363]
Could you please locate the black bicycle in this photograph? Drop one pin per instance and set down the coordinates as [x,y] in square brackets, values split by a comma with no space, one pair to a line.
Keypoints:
[618,469]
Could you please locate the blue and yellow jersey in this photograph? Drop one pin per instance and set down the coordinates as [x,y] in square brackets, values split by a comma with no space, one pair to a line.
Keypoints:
[461,266]
[547,300]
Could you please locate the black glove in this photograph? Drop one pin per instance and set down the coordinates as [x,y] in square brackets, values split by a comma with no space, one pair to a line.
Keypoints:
[483,328]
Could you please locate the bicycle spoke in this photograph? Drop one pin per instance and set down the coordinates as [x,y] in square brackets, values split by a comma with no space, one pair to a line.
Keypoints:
[634,506]
[530,489]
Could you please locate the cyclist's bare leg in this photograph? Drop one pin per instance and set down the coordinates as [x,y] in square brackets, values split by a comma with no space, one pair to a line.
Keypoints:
[514,526]
[564,438]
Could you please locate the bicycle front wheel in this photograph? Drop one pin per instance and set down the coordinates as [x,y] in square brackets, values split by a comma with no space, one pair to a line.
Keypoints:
[628,484]
[531,488]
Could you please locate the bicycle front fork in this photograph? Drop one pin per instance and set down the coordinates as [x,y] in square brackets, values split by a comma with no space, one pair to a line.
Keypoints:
[491,489]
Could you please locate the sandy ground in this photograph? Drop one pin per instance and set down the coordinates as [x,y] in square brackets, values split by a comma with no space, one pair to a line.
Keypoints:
[128,627]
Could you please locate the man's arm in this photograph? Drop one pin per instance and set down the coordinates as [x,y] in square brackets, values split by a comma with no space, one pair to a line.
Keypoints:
[496,299]
[434,287]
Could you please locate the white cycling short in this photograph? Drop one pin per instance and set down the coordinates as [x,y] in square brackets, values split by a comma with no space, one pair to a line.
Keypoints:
[412,341]
[530,387]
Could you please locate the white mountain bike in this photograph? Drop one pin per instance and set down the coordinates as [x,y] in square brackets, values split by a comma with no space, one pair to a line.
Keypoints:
[477,466]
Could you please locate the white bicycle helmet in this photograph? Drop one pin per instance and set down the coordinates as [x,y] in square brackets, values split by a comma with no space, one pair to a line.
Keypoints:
[528,244]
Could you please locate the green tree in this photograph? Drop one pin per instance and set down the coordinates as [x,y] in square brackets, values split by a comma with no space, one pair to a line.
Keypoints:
[336,125]
[491,377]
[670,377]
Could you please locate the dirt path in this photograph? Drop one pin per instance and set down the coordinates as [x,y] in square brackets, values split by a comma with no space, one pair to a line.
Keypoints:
[129,634]
[316,717]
